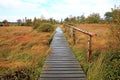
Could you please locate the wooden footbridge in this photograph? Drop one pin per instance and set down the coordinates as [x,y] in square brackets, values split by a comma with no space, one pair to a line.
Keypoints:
[61,64]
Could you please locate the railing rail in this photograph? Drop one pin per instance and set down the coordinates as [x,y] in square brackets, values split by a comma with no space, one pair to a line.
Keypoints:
[90,35]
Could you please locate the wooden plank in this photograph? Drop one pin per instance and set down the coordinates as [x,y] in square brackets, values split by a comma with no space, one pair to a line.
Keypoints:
[62,72]
[61,57]
[58,58]
[61,61]
[50,59]
[62,76]
[62,65]
[62,79]
[62,69]
[60,48]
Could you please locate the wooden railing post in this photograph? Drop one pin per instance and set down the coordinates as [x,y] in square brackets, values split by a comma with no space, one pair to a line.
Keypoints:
[74,37]
[71,32]
[89,48]
[65,28]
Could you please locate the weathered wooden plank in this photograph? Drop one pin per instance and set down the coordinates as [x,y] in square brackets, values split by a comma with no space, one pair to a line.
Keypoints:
[62,65]
[62,79]
[61,61]
[62,76]
[62,72]
[62,69]
[61,57]
[61,48]
[58,58]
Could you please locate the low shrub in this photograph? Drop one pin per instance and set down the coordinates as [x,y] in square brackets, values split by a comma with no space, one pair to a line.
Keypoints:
[36,26]
[46,27]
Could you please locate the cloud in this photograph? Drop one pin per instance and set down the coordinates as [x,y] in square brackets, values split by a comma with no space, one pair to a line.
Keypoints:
[53,8]
[15,7]
[79,7]
[35,1]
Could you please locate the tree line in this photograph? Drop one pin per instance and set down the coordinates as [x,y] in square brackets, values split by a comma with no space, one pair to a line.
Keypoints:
[28,22]
[109,17]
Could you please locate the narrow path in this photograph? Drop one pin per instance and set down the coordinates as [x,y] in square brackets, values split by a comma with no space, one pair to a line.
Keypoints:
[61,64]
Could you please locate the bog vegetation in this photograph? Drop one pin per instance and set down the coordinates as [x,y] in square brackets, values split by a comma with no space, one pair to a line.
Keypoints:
[24,49]
[24,46]
[22,52]
[105,64]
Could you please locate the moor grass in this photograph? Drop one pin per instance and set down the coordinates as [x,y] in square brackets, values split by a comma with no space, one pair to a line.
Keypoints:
[22,52]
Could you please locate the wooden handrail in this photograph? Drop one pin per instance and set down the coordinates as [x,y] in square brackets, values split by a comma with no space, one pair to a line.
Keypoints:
[83,31]
[89,39]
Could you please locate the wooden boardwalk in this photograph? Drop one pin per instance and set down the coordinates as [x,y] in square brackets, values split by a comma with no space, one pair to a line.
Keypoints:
[61,63]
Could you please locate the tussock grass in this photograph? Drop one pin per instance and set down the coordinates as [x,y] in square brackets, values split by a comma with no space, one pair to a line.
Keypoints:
[22,52]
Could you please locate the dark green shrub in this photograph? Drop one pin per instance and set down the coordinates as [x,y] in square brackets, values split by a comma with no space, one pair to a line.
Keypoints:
[46,27]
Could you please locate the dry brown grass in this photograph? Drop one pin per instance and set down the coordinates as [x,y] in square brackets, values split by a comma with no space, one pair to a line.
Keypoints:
[14,40]
[100,41]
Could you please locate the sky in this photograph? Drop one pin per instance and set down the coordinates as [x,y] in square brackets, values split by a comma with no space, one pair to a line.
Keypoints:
[12,10]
